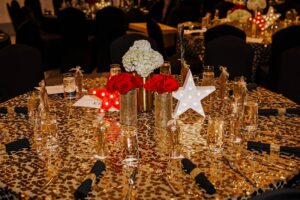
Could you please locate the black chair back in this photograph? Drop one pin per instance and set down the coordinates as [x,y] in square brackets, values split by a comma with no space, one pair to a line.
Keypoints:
[222,30]
[281,194]
[14,11]
[135,15]
[28,34]
[288,76]
[231,52]
[75,45]
[122,44]
[186,10]
[282,40]
[155,32]
[111,24]
[21,70]
[72,27]
[36,8]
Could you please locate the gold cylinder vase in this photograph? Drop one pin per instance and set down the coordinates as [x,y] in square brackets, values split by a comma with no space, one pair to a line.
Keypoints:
[128,108]
[145,98]
[163,109]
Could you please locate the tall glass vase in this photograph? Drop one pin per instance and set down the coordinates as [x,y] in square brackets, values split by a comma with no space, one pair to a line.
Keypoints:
[145,98]
[128,108]
[163,109]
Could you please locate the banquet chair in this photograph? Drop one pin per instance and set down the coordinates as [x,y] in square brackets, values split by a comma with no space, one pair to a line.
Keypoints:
[76,49]
[231,52]
[155,32]
[135,15]
[222,30]
[281,41]
[21,70]
[122,44]
[223,7]
[111,24]
[14,11]
[288,74]
[186,10]
[36,8]
[281,194]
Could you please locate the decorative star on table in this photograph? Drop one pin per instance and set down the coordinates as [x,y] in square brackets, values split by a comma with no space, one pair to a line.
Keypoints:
[109,101]
[190,96]
[270,17]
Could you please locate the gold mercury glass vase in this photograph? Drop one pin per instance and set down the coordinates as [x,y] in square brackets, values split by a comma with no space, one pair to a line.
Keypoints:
[144,98]
[163,109]
[128,108]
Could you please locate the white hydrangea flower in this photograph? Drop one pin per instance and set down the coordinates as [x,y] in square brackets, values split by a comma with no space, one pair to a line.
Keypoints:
[142,59]
[256,4]
[239,15]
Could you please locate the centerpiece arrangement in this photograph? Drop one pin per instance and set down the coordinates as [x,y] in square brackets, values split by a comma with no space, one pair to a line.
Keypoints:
[142,60]
[162,86]
[126,84]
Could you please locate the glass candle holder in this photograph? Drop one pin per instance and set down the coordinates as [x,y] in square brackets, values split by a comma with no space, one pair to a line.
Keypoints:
[208,76]
[165,69]
[69,86]
[115,69]
[215,132]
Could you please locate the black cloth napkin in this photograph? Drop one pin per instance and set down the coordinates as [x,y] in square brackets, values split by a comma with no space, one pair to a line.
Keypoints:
[17,145]
[85,187]
[259,146]
[269,112]
[3,110]
[21,110]
[201,180]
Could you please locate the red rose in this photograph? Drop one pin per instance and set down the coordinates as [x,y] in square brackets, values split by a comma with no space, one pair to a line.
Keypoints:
[123,83]
[162,83]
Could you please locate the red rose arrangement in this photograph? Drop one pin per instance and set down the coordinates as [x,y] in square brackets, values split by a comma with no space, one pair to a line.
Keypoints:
[162,83]
[123,83]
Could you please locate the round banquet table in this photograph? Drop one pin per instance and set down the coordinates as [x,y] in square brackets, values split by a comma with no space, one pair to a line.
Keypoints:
[26,173]
[4,39]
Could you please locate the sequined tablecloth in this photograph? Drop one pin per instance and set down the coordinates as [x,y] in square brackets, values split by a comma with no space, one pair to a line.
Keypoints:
[25,174]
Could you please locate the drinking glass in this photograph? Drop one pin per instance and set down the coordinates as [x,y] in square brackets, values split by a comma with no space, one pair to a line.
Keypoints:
[115,69]
[250,116]
[208,76]
[33,104]
[130,145]
[239,93]
[215,132]
[49,131]
[174,135]
[69,86]
[101,135]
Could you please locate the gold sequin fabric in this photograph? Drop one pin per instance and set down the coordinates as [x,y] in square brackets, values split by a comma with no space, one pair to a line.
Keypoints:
[35,174]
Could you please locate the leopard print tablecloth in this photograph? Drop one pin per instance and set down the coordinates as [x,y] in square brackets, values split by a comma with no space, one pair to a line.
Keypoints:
[45,174]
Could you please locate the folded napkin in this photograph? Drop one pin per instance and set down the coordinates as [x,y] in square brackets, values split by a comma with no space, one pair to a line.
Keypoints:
[85,187]
[18,110]
[3,110]
[199,176]
[259,146]
[281,111]
[21,110]
[17,145]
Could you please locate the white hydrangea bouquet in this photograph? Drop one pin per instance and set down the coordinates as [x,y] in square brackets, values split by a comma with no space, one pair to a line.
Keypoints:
[239,15]
[256,4]
[142,59]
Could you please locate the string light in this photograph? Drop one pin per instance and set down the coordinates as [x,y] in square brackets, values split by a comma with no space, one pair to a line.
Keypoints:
[108,100]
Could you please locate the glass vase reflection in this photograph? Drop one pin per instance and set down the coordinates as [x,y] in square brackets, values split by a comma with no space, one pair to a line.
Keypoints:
[163,109]
[130,145]
[128,108]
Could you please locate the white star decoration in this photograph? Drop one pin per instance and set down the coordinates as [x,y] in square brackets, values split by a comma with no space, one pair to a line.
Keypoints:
[190,96]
